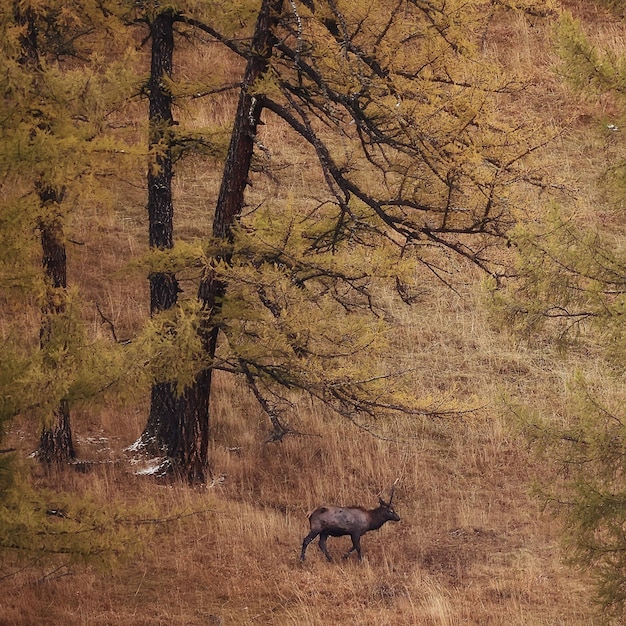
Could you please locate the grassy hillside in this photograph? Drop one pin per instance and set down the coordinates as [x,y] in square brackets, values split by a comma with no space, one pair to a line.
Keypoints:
[474,545]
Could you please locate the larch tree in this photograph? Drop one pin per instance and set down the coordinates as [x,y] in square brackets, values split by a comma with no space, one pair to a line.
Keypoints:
[189,452]
[571,285]
[56,445]
[399,108]
[54,109]
[59,94]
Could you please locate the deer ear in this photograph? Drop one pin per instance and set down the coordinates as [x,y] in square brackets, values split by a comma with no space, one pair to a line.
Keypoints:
[382,502]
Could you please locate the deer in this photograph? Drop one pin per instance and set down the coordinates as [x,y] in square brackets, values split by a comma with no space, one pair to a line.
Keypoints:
[336,521]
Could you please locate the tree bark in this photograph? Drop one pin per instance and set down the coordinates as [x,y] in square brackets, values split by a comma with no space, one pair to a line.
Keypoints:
[56,446]
[190,458]
[55,443]
[164,287]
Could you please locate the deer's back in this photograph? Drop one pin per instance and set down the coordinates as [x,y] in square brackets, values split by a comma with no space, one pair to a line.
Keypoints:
[338,520]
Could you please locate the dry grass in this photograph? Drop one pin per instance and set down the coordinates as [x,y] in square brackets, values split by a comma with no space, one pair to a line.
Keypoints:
[470,549]
[473,546]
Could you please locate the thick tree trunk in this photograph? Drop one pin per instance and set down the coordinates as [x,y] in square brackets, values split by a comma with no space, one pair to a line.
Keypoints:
[56,446]
[163,285]
[55,443]
[189,439]
[191,454]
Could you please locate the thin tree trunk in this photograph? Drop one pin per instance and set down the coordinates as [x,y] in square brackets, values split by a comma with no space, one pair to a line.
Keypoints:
[163,285]
[55,443]
[190,458]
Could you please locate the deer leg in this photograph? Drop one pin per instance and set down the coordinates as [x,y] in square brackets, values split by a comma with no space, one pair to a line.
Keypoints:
[322,546]
[356,545]
[306,542]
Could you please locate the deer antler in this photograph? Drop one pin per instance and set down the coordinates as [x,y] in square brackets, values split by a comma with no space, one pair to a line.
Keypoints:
[393,488]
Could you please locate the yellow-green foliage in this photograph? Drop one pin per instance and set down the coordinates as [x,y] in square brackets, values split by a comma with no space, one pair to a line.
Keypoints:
[589,452]
[169,349]
[588,67]
[570,283]
[569,280]
[40,524]
[426,96]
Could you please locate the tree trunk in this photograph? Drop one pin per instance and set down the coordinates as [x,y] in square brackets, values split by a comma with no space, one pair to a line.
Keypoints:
[192,437]
[56,446]
[55,443]
[189,437]
[163,285]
